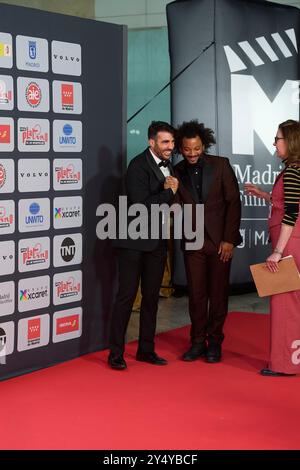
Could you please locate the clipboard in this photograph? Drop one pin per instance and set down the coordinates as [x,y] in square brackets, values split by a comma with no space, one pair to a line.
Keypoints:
[287,279]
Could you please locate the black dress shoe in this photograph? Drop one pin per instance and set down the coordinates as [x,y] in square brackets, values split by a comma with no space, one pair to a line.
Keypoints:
[272,373]
[195,351]
[214,353]
[151,357]
[116,362]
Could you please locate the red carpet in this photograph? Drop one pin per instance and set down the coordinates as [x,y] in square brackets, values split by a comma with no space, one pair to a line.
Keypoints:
[82,404]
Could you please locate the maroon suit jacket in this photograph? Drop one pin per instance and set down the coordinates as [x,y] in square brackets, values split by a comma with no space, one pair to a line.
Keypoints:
[220,196]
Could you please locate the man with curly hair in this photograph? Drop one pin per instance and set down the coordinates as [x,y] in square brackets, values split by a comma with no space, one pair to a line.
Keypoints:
[209,180]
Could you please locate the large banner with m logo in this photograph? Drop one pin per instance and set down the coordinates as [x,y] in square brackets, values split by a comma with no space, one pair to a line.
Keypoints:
[243,80]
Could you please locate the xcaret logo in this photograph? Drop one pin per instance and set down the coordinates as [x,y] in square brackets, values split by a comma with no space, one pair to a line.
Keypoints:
[34,293]
[33,94]
[67,212]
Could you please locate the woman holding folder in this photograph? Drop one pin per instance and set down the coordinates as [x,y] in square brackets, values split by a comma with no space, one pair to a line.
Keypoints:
[284,228]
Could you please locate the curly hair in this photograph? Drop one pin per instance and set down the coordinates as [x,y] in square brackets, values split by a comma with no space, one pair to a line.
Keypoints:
[192,129]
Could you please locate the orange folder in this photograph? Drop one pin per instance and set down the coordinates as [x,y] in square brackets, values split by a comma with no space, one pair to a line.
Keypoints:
[287,279]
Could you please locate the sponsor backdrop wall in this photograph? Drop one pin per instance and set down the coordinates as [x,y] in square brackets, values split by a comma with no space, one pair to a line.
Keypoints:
[244,82]
[61,147]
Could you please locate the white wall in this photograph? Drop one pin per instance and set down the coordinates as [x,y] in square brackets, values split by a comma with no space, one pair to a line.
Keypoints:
[143,13]
[134,13]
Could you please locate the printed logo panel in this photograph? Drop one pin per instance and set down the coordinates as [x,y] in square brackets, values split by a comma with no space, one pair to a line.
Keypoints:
[34,215]
[7,338]
[33,332]
[67,249]
[66,58]
[7,176]
[6,93]
[6,51]
[33,94]
[34,254]
[67,97]
[34,293]
[32,54]
[67,136]
[67,324]
[67,212]
[7,141]
[67,287]
[7,217]
[33,175]
[33,135]
[67,174]
[7,298]
[7,257]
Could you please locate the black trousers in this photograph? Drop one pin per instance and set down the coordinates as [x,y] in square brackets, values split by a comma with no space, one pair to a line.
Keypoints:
[208,284]
[135,266]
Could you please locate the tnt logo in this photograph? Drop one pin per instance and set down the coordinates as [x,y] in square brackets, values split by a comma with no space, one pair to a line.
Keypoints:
[33,94]
[4,134]
[67,97]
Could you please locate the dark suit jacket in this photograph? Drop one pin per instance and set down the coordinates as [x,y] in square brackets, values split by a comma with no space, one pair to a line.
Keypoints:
[144,183]
[220,196]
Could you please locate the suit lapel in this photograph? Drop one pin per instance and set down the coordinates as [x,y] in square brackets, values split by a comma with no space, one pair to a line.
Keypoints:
[155,168]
